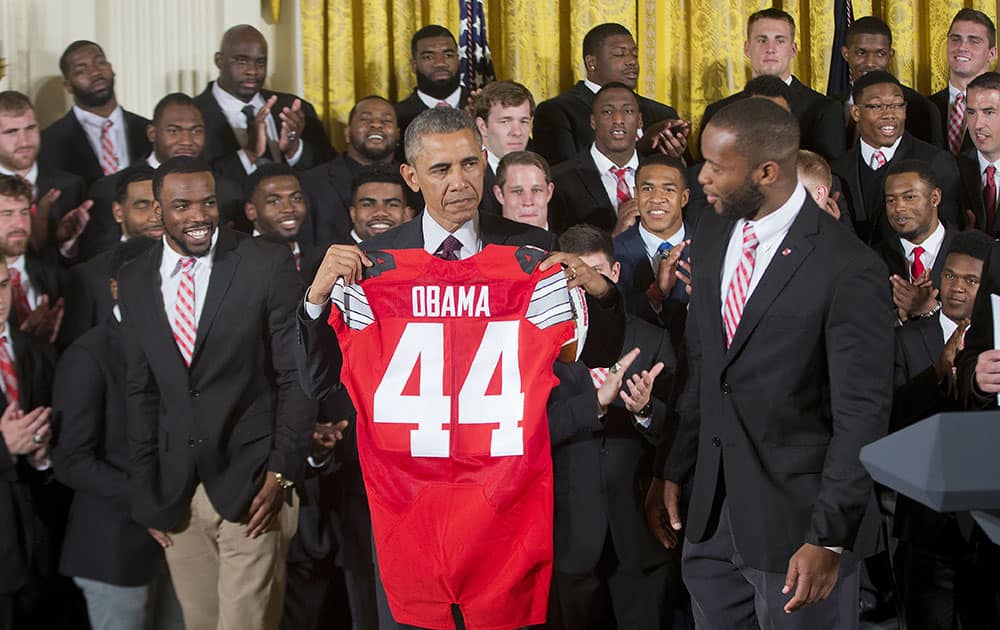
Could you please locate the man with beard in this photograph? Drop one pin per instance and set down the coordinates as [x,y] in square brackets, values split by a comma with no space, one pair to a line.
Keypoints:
[219,428]
[379,202]
[434,59]
[245,123]
[789,347]
[96,137]
[372,137]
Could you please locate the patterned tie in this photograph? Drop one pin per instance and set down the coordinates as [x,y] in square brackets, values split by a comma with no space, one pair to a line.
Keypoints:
[297,255]
[739,286]
[878,160]
[185,328]
[449,248]
[990,197]
[109,161]
[624,194]
[8,373]
[956,120]
[917,268]
[598,376]
[19,296]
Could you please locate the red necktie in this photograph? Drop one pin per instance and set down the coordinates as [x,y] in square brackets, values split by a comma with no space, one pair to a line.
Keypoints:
[739,286]
[185,329]
[917,268]
[109,161]
[956,119]
[624,194]
[878,160]
[449,248]
[990,197]
[19,296]
[298,260]
[8,373]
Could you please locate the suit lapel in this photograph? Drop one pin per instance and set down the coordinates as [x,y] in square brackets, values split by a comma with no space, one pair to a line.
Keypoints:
[715,256]
[788,256]
[933,337]
[593,183]
[224,266]
[155,311]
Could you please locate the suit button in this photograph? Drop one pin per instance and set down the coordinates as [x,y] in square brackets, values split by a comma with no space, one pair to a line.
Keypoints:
[604,451]
[726,389]
[194,393]
[716,442]
[191,443]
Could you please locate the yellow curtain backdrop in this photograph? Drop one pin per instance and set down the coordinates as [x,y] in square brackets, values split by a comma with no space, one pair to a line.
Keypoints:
[692,50]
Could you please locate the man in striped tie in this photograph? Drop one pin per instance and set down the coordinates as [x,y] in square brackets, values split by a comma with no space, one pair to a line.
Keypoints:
[789,342]
[219,428]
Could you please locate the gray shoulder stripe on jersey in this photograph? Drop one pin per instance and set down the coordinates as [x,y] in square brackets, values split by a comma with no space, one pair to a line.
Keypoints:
[544,304]
[552,316]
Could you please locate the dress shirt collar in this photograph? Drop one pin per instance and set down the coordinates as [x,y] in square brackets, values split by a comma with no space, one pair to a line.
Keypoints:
[117,312]
[604,164]
[434,235]
[493,161]
[948,326]
[354,235]
[772,229]
[953,92]
[90,119]
[171,262]
[787,81]
[294,245]
[453,99]
[593,87]
[19,265]
[653,242]
[867,150]
[31,177]
[232,106]
[152,161]
[983,163]
[931,245]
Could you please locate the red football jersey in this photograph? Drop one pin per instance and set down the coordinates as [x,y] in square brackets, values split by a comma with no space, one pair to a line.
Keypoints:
[449,364]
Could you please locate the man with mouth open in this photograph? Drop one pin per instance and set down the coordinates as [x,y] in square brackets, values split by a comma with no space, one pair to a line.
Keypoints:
[979,171]
[219,428]
[879,110]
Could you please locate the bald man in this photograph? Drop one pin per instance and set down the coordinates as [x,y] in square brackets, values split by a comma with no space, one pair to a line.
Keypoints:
[246,124]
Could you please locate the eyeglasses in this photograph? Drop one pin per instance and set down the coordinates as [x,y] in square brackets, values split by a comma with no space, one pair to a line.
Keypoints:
[880,108]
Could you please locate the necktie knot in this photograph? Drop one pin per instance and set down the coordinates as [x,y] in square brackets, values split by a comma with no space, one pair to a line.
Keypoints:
[750,241]
[622,191]
[878,160]
[249,114]
[107,125]
[619,173]
[917,268]
[991,171]
[449,248]
[664,247]
[187,264]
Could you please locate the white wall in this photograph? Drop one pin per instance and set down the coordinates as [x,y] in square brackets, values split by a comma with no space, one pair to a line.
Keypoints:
[155,46]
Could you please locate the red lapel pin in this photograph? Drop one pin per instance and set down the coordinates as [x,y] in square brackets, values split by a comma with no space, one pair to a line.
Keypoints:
[786,251]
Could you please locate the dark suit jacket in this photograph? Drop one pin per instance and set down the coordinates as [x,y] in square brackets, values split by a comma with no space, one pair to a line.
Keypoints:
[318,354]
[979,337]
[923,120]
[892,253]
[821,119]
[868,215]
[580,196]
[779,417]
[601,475]
[562,129]
[102,541]
[489,202]
[22,533]
[65,146]
[212,423]
[73,189]
[220,141]
[87,299]
[971,191]
[46,277]
[328,193]
[940,100]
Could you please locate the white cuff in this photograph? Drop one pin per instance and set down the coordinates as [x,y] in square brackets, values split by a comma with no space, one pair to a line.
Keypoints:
[312,462]
[643,422]
[248,166]
[292,161]
[837,550]
[313,311]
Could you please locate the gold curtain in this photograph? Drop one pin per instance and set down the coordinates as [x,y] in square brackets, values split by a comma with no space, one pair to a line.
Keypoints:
[692,50]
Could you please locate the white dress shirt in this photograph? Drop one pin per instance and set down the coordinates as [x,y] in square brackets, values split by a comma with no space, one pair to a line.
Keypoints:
[29,290]
[493,161]
[770,231]
[608,178]
[867,150]
[948,327]
[953,93]
[170,278]
[93,124]
[652,242]
[232,109]
[452,99]
[152,161]
[931,245]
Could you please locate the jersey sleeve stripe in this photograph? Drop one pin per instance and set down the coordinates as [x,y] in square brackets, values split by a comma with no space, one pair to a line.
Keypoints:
[558,314]
[353,305]
[548,302]
[545,285]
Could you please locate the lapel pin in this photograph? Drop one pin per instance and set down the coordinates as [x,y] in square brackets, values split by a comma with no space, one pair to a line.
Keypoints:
[786,251]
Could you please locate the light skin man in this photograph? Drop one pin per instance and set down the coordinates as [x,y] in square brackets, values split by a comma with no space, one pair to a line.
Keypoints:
[525,194]
[770,47]
[970,52]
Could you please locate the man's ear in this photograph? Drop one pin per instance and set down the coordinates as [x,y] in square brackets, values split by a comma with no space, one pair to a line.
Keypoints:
[409,176]
[251,211]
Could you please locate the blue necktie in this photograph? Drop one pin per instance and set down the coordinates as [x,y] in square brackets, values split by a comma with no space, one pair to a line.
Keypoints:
[664,249]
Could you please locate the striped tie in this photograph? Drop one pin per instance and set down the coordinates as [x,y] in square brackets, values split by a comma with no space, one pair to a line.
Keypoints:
[598,376]
[878,160]
[739,286]
[109,161]
[185,330]
[624,194]
[8,373]
[956,119]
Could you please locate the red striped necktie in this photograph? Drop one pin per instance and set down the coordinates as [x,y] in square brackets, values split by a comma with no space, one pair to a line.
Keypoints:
[109,160]
[185,327]
[739,286]
[8,373]
[623,191]
[956,122]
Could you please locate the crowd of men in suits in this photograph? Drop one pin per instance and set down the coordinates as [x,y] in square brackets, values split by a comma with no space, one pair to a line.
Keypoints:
[177,449]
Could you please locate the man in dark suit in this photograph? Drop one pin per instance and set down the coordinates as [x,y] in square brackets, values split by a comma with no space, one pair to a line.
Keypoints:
[123,576]
[915,254]
[503,111]
[868,46]
[879,110]
[779,495]
[434,61]
[96,137]
[935,563]
[770,47]
[442,140]
[218,426]
[972,49]
[601,475]
[978,173]
[372,137]
[598,186]
[562,128]
[245,123]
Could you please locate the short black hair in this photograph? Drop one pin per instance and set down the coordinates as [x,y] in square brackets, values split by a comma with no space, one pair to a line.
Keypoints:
[182,164]
[595,37]
[613,85]
[868,25]
[170,100]
[72,48]
[127,251]
[140,172]
[972,15]
[972,243]
[275,169]
[768,85]
[985,81]
[370,97]
[764,130]
[662,159]
[431,30]
[921,168]
[875,77]
[587,239]
[377,174]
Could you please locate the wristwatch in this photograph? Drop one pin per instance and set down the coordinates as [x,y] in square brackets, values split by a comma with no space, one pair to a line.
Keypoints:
[283,481]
